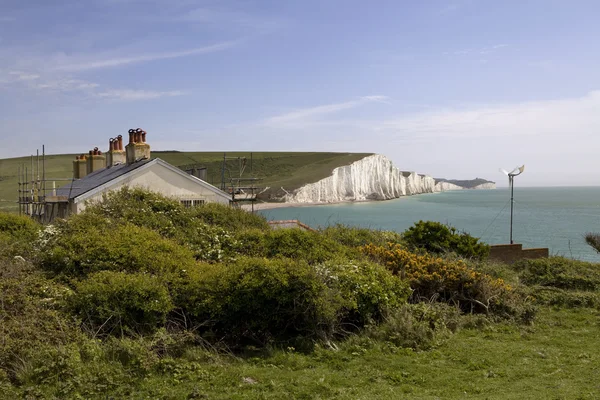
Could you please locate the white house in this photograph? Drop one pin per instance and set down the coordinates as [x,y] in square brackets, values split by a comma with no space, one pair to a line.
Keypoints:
[96,174]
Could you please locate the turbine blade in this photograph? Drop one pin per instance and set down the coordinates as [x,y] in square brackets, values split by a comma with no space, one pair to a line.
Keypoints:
[522,169]
[505,172]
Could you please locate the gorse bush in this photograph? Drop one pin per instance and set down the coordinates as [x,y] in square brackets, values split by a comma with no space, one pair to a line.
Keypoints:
[436,237]
[108,300]
[434,277]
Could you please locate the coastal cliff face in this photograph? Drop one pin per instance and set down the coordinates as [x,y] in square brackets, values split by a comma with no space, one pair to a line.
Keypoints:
[446,186]
[489,185]
[371,178]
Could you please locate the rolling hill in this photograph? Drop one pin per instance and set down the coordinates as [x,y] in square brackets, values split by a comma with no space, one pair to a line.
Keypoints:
[288,170]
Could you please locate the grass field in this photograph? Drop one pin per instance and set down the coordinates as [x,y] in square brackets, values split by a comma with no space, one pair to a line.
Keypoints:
[556,358]
[277,169]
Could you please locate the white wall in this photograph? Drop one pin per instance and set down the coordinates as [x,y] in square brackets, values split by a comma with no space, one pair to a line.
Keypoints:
[160,179]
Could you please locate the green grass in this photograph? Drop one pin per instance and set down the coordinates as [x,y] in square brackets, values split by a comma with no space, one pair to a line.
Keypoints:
[289,170]
[502,362]
[557,358]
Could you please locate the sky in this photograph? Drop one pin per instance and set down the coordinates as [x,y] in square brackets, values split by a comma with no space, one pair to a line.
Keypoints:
[452,89]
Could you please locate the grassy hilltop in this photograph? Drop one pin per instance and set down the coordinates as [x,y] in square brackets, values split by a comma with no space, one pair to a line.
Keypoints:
[139,297]
[289,170]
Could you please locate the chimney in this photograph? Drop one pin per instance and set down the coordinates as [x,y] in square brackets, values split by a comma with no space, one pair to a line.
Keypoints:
[137,149]
[95,161]
[79,167]
[116,154]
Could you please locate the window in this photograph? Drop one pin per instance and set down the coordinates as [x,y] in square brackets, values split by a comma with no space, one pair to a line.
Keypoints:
[191,203]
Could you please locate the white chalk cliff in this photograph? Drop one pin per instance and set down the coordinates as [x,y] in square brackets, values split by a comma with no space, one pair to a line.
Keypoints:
[371,178]
[489,185]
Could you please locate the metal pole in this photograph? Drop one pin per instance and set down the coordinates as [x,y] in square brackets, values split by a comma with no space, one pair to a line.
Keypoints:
[512,200]
[223,173]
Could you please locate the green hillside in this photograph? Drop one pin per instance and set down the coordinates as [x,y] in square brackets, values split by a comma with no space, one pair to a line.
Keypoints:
[289,170]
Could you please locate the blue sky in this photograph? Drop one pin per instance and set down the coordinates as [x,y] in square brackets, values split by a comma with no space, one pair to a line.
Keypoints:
[453,89]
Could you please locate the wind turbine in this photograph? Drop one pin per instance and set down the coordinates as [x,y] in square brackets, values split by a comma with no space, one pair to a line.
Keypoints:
[511,175]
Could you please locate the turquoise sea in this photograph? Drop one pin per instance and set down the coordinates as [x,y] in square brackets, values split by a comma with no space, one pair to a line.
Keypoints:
[556,217]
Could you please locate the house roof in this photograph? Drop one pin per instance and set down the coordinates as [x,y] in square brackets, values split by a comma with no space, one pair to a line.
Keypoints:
[96,181]
[97,178]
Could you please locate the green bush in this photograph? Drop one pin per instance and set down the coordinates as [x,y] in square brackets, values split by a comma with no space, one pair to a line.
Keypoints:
[257,301]
[566,298]
[419,326]
[355,237]
[31,316]
[205,230]
[252,242]
[17,235]
[560,272]
[110,300]
[438,238]
[368,290]
[76,248]
[229,218]
[300,244]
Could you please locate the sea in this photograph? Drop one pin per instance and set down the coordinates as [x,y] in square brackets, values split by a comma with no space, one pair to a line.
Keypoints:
[553,217]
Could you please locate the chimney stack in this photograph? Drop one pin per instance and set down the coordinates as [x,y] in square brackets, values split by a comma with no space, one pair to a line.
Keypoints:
[95,161]
[79,167]
[137,149]
[116,154]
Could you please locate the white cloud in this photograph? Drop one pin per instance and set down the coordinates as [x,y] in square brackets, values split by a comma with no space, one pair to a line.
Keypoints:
[122,61]
[134,95]
[319,111]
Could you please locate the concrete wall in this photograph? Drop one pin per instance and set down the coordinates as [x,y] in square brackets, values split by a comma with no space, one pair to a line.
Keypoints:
[509,253]
[159,179]
[289,224]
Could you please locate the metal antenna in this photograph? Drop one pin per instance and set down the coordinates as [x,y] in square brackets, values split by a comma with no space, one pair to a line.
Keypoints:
[511,182]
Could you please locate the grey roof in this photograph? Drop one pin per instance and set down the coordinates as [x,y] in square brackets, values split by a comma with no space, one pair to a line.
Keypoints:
[97,178]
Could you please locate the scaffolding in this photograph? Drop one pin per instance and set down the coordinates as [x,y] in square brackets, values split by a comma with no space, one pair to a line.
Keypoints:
[242,189]
[37,193]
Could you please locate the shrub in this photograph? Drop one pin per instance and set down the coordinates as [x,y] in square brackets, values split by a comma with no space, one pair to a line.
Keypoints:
[368,291]
[419,326]
[79,249]
[17,235]
[230,218]
[593,240]
[300,244]
[252,242]
[205,230]
[560,272]
[31,316]
[566,298]
[434,277]
[110,300]
[258,301]
[435,237]
[356,237]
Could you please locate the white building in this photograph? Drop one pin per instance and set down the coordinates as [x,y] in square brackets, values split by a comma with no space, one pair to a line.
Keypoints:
[96,174]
